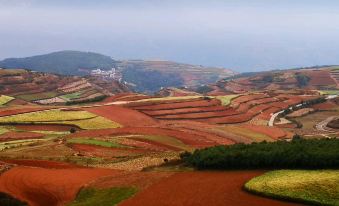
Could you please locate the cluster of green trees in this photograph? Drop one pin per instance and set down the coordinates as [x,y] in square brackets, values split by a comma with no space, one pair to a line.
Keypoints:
[302,80]
[298,153]
[95,99]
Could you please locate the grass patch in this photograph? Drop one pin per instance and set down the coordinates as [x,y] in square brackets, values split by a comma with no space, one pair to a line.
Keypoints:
[69,97]
[96,142]
[318,187]
[5,99]
[226,100]
[329,92]
[3,130]
[37,96]
[103,197]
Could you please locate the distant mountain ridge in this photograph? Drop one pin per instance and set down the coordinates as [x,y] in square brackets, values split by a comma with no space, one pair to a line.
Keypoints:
[63,62]
[145,76]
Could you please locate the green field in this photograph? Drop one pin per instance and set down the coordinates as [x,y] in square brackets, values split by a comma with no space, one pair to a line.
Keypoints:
[5,99]
[37,96]
[96,142]
[82,119]
[320,187]
[71,96]
[103,197]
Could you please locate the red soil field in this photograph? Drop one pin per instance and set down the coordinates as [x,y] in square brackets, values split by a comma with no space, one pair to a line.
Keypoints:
[273,132]
[124,116]
[20,135]
[185,110]
[202,188]
[246,98]
[321,77]
[153,103]
[20,111]
[202,115]
[194,140]
[41,163]
[126,97]
[98,151]
[324,106]
[41,127]
[192,104]
[52,187]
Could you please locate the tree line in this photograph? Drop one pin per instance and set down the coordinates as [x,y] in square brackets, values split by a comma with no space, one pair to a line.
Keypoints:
[298,153]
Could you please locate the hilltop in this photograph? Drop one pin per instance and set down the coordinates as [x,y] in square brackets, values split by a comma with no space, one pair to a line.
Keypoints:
[324,79]
[143,76]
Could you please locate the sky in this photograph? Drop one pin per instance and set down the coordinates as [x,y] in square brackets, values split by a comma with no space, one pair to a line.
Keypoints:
[243,35]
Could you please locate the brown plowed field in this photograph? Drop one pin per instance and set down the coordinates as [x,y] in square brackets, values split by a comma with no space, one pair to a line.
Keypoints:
[246,98]
[273,132]
[202,115]
[123,116]
[20,111]
[324,106]
[48,187]
[194,140]
[98,151]
[40,127]
[41,163]
[185,110]
[192,104]
[202,188]
[20,135]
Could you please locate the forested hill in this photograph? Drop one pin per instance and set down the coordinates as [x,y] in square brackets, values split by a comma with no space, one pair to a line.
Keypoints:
[63,62]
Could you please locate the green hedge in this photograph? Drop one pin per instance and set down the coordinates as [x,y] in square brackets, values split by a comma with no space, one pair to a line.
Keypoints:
[299,153]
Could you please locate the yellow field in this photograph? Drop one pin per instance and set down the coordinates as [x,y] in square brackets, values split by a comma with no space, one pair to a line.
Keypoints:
[5,99]
[319,187]
[82,119]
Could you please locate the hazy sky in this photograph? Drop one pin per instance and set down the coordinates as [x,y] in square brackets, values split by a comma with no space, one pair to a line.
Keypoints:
[245,35]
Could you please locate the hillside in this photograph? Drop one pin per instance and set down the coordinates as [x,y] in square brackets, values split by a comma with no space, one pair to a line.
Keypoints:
[144,76]
[325,79]
[45,88]
[63,62]
[169,74]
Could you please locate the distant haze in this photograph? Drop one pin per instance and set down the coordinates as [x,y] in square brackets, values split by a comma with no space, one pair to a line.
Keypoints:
[245,35]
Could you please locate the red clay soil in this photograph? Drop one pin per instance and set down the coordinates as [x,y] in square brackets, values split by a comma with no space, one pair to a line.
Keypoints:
[98,151]
[124,116]
[202,188]
[186,110]
[246,98]
[41,163]
[20,135]
[8,112]
[40,127]
[202,115]
[194,140]
[324,106]
[48,187]
[192,104]
[273,132]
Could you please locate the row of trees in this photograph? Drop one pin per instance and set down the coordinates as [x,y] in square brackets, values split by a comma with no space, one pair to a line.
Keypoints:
[299,153]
